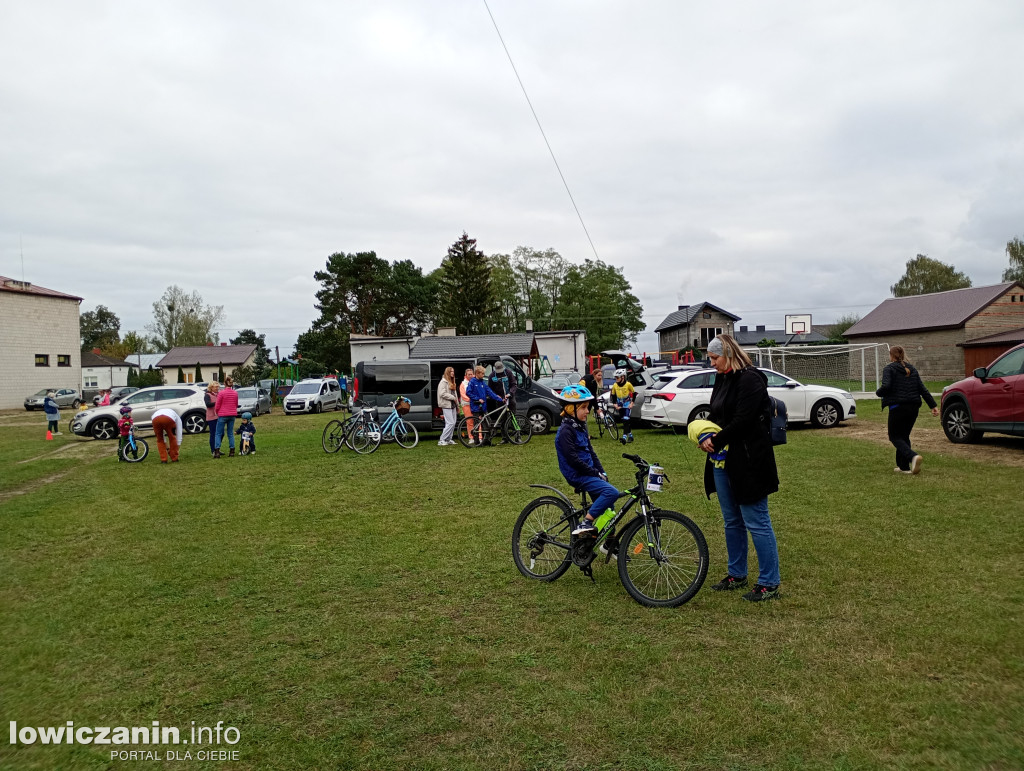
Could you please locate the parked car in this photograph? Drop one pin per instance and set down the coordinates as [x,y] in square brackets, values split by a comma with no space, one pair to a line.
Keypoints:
[684,395]
[254,400]
[992,399]
[186,400]
[65,397]
[558,381]
[116,394]
[313,395]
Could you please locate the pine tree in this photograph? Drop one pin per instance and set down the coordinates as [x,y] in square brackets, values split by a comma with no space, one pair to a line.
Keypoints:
[181,375]
[199,373]
[465,295]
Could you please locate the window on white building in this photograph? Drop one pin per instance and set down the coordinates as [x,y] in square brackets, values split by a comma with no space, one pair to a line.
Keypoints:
[63,360]
[42,360]
[90,381]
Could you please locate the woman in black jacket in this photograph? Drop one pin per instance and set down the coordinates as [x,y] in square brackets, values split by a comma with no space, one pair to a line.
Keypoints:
[741,409]
[902,391]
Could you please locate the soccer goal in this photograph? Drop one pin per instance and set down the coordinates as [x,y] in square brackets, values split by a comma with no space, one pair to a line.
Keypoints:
[850,367]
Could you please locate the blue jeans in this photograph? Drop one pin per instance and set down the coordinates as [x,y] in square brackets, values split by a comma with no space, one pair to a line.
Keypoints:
[741,519]
[226,423]
[603,494]
[211,426]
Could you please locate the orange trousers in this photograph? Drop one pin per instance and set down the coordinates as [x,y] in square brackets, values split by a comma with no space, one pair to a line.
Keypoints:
[468,412]
[165,425]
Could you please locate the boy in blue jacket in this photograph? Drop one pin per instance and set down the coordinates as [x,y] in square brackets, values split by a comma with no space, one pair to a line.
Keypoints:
[577,460]
[478,392]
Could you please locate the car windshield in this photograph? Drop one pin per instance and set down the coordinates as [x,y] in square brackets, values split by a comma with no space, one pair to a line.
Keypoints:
[306,388]
[246,393]
[44,392]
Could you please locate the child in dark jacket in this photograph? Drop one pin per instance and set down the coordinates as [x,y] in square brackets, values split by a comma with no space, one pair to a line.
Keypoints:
[479,392]
[577,460]
[247,430]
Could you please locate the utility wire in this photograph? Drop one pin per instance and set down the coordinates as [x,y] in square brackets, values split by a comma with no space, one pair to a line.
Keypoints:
[539,126]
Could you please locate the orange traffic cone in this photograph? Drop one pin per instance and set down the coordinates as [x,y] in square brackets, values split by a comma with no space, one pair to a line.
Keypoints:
[49,435]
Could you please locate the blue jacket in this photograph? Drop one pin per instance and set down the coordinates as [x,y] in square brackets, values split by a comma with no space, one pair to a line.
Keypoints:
[50,408]
[478,391]
[576,457]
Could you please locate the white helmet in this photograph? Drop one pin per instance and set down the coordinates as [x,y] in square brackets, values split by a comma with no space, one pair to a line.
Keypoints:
[620,373]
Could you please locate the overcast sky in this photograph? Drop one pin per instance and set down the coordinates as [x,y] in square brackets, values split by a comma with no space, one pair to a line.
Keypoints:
[766,157]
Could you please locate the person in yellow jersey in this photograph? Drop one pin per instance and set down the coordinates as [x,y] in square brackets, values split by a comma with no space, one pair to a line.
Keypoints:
[622,396]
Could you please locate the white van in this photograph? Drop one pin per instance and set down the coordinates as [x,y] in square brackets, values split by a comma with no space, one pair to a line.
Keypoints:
[313,395]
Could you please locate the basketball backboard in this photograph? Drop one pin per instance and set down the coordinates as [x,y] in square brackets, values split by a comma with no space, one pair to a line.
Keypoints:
[798,323]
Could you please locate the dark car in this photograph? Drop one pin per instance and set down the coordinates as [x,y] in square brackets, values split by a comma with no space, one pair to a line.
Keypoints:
[992,399]
[116,394]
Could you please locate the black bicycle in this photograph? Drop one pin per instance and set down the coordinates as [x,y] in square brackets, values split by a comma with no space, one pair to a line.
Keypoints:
[604,417]
[360,431]
[501,421]
[662,555]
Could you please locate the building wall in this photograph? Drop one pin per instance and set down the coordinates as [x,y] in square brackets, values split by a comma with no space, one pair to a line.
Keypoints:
[682,337]
[383,350]
[104,377]
[566,352]
[209,372]
[984,355]
[35,324]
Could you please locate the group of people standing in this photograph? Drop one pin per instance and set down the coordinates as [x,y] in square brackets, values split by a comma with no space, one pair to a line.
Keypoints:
[476,395]
[221,411]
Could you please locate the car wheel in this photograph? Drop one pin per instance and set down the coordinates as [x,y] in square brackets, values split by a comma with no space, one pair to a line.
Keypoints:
[957,424]
[702,412]
[317,408]
[194,423]
[540,420]
[826,414]
[103,429]
[75,404]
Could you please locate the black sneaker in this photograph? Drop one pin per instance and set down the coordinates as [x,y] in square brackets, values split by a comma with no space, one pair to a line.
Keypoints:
[729,583]
[761,593]
[585,527]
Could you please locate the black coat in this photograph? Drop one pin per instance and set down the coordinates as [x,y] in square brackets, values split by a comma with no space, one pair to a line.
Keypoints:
[740,405]
[900,388]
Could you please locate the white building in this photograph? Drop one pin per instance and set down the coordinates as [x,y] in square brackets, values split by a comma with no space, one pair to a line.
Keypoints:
[371,347]
[204,363]
[40,342]
[99,371]
[563,350]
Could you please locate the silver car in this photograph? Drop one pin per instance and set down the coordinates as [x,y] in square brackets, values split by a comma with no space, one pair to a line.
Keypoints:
[254,400]
[65,397]
[186,400]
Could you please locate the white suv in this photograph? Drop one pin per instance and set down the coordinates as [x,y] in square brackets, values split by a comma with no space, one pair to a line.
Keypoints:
[186,400]
[313,395]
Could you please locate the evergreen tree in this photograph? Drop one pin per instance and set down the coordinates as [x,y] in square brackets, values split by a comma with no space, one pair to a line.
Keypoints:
[465,295]
[181,375]
[199,373]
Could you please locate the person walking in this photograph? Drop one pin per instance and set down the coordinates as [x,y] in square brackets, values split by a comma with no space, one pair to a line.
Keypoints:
[902,391]
[743,481]
[168,422]
[227,410]
[448,402]
[210,400]
[52,411]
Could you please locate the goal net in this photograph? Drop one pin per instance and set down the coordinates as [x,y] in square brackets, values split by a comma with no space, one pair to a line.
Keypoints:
[850,367]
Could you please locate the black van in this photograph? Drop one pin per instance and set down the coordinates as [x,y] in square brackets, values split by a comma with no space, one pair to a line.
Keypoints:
[378,383]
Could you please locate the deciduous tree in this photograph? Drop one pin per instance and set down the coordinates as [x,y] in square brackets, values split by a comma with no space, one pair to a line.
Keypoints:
[925,275]
[180,318]
[1015,252]
[598,299]
[100,328]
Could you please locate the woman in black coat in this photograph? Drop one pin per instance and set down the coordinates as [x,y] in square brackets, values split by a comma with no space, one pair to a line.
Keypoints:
[741,408]
[902,391]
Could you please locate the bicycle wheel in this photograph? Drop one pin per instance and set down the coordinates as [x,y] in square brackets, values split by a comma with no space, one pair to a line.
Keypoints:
[516,432]
[333,436]
[540,539]
[609,425]
[480,427]
[670,573]
[365,438]
[140,453]
[406,435]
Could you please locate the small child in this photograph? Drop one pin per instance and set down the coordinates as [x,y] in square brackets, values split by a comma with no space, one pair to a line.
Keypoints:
[124,428]
[247,430]
[622,395]
[577,460]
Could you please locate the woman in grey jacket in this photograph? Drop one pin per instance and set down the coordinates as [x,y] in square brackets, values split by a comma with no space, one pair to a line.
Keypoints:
[448,401]
[902,391]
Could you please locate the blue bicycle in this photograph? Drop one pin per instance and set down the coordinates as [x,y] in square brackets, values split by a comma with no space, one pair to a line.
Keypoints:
[133,449]
[394,429]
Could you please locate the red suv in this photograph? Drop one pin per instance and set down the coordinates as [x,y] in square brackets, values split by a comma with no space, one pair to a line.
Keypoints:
[991,400]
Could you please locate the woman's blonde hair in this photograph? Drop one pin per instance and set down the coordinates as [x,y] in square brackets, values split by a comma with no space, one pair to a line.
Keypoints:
[449,375]
[211,387]
[898,355]
[229,381]
[733,354]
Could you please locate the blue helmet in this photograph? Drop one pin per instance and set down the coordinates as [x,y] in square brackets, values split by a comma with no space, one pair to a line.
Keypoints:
[575,393]
[246,416]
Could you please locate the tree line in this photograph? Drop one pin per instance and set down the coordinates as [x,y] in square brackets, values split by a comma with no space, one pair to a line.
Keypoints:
[925,275]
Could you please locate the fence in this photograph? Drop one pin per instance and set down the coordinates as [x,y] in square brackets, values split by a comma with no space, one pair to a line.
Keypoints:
[850,367]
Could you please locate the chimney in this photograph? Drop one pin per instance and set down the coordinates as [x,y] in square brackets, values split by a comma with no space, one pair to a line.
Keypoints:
[223,345]
[210,344]
[97,351]
[529,325]
[683,307]
[760,328]
[446,331]
[743,329]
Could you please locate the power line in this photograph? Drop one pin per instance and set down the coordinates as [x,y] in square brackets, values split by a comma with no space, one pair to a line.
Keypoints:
[539,126]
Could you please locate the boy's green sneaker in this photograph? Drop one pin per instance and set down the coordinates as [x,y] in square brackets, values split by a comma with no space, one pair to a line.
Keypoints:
[761,593]
[729,583]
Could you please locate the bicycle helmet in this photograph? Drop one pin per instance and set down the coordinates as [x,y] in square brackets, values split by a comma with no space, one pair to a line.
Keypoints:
[620,373]
[246,416]
[575,393]
[125,409]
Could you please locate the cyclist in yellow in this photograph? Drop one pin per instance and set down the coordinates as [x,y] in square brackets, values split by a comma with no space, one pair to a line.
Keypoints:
[622,395]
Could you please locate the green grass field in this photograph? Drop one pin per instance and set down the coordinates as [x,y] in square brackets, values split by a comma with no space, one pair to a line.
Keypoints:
[364,612]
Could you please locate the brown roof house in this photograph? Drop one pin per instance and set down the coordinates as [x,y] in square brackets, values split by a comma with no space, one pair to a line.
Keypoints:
[934,328]
[693,325]
[205,361]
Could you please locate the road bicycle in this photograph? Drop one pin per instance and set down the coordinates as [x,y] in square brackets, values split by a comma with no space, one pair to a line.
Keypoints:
[356,432]
[662,555]
[135,449]
[502,420]
[604,417]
